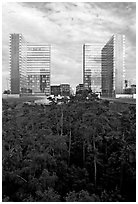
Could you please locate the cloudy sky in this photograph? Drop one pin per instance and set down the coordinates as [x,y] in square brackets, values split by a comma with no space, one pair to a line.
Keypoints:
[66,26]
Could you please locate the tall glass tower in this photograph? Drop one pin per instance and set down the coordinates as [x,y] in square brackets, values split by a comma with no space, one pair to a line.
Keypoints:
[38,68]
[17,62]
[113,66]
[92,67]
[29,66]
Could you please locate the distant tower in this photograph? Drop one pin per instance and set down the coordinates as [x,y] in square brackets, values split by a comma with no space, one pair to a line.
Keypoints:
[92,67]
[17,52]
[38,67]
[113,66]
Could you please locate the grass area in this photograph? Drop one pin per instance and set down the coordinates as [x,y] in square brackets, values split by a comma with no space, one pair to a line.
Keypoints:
[126,100]
[23,99]
[121,100]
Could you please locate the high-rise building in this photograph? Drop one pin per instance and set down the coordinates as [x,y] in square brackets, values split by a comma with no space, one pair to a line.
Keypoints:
[29,66]
[113,66]
[38,68]
[17,61]
[92,67]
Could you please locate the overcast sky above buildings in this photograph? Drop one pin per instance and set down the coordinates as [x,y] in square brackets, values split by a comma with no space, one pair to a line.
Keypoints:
[67,26]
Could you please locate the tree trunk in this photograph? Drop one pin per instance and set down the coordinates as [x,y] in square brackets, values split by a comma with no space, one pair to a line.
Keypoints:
[57,126]
[69,147]
[95,163]
[61,122]
[83,153]
[123,137]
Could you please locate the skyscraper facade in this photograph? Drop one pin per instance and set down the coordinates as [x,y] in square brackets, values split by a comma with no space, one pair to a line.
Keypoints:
[92,67]
[38,68]
[17,61]
[113,66]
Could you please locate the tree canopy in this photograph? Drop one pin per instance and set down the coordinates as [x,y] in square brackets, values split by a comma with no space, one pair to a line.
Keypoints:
[83,151]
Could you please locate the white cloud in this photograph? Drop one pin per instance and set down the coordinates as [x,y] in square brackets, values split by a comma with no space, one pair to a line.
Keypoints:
[67,26]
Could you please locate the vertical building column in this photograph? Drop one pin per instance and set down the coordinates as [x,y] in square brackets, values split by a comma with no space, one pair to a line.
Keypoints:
[113,66]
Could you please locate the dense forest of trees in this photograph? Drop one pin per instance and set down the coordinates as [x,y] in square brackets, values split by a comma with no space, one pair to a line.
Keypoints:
[78,151]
